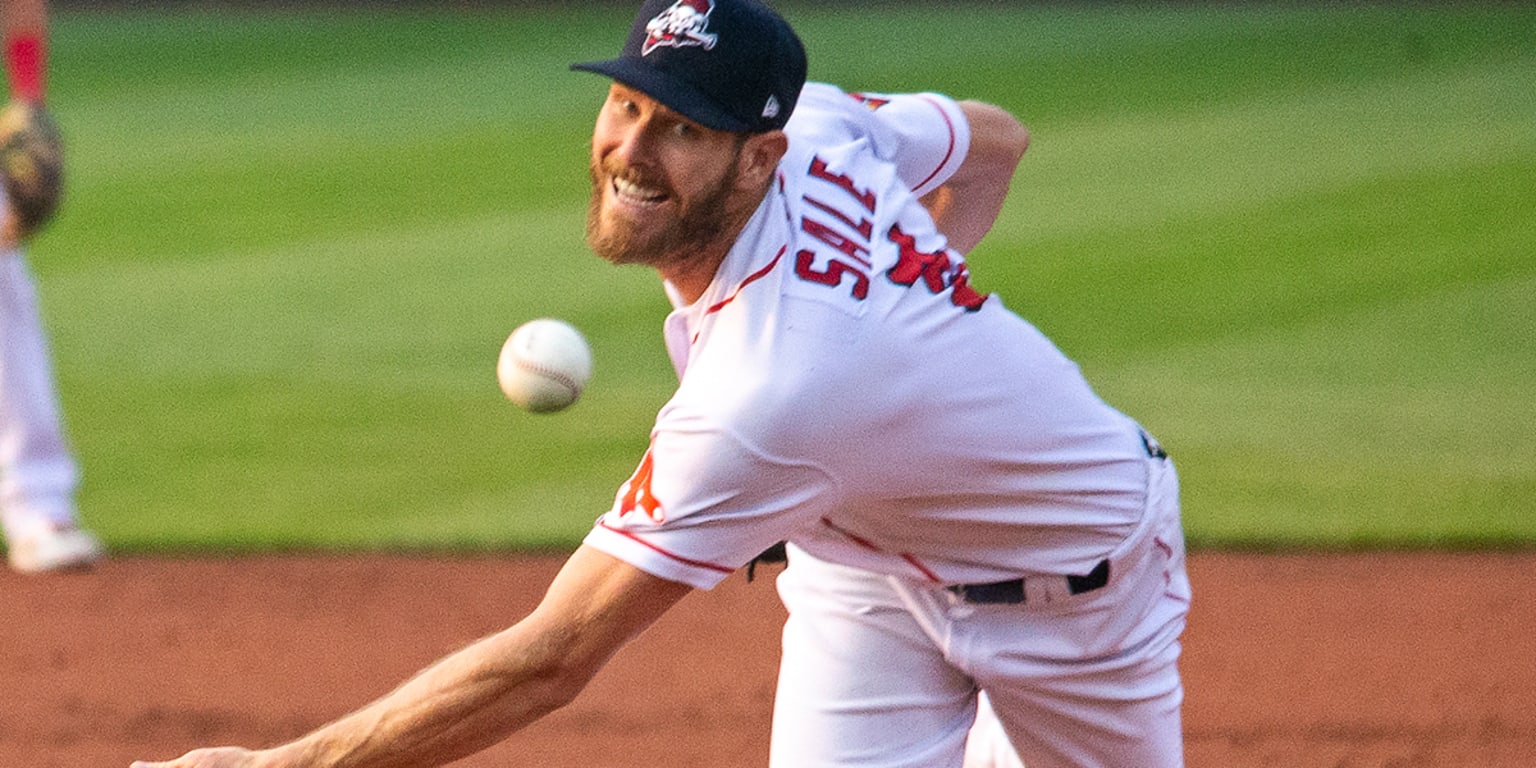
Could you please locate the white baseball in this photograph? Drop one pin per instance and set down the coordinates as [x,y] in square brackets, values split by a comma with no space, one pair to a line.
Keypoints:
[544,365]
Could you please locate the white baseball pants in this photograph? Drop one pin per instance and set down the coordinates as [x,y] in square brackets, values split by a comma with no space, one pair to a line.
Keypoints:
[885,672]
[37,472]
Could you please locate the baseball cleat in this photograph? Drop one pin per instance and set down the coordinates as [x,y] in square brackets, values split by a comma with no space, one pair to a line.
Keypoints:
[64,548]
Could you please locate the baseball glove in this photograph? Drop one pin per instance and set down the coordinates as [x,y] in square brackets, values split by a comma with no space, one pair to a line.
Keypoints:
[31,165]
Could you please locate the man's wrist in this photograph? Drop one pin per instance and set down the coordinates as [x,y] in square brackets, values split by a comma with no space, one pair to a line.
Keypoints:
[276,757]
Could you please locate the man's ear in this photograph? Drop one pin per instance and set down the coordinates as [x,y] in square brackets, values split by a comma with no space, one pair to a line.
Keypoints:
[759,158]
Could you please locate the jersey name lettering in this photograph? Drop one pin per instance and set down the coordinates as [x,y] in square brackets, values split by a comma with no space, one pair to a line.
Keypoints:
[819,170]
[853,249]
[853,243]
[865,227]
[805,261]
[849,235]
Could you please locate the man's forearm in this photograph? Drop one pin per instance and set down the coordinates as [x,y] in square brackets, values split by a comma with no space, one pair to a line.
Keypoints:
[493,687]
[462,704]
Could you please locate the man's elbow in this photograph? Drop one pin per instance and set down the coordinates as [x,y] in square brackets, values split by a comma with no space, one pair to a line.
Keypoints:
[996,132]
[560,678]
[556,691]
[541,670]
[533,693]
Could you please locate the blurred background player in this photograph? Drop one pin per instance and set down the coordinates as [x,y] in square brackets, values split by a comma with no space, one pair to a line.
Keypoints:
[38,474]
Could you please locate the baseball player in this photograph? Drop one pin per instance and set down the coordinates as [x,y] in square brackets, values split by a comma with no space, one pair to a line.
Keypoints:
[963,514]
[37,472]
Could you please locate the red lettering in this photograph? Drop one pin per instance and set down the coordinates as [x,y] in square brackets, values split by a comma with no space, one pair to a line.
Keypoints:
[935,269]
[865,227]
[833,274]
[865,197]
[913,264]
[853,249]
[962,294]
[635,495]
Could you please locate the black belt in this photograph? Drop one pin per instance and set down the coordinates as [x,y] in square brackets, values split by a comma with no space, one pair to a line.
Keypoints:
[1011,592]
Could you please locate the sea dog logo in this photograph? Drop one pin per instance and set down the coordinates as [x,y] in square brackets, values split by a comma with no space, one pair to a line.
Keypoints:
[684,24]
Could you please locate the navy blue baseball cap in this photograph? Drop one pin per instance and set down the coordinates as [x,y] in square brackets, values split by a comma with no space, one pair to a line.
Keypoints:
[731,65]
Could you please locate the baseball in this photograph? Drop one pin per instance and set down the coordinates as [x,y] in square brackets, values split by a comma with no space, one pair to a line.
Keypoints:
[544,365]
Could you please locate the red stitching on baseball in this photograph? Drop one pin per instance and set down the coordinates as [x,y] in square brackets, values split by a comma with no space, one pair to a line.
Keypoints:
[558,376]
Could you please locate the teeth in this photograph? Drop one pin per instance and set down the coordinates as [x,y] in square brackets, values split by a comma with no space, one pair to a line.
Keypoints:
[636,193]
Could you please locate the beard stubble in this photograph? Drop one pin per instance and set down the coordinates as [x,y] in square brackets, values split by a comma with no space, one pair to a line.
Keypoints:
[700,223]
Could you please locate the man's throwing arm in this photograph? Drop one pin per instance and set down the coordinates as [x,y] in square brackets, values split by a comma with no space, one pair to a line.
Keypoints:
[968,203]
[490,689]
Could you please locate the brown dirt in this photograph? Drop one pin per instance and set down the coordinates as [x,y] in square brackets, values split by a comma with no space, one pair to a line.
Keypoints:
[1290,660]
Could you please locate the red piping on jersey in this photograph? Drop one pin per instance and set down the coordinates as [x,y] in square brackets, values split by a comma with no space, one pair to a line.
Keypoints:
[665,553]
[871,546]
[913,561]
[947,153]
[752,278]
[853,537]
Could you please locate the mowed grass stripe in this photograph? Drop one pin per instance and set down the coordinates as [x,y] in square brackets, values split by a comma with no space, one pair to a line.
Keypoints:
[1292,240]
[1407,423]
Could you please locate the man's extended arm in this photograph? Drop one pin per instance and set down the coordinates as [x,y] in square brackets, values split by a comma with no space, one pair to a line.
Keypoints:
[490,689]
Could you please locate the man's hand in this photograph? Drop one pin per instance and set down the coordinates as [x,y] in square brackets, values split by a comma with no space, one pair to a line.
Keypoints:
[31,169]
[221,757]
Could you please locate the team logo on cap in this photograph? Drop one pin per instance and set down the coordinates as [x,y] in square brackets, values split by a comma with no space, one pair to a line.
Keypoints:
[684,24]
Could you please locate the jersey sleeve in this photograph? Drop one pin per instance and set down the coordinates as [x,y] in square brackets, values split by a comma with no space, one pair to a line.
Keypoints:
[703,503]
[925,135]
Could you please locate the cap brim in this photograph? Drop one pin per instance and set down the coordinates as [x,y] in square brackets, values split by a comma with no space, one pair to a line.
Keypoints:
[677,95]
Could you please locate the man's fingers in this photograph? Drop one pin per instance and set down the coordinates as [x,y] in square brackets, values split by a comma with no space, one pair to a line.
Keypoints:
[217,757]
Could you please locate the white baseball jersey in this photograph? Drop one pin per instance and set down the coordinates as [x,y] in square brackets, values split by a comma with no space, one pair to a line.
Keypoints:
[844,386]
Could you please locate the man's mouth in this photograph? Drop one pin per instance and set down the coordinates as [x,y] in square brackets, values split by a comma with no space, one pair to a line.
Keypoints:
[634,193]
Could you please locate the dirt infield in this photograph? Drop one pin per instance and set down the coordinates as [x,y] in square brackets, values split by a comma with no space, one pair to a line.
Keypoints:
[1290,660]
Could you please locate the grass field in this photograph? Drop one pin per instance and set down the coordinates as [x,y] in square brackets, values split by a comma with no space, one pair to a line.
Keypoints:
[1298,243]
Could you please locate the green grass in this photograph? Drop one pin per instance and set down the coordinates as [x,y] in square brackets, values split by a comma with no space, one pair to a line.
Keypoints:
[1296,242]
